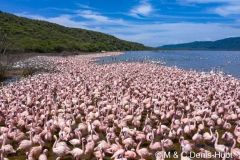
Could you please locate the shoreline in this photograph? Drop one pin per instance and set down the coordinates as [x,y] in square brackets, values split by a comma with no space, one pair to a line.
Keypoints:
[93,58]
[18,72]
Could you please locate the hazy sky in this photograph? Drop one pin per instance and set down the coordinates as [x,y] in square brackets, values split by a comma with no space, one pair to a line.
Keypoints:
[151,22]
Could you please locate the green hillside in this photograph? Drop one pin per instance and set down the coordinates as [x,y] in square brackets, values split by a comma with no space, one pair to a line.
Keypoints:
[41,36]
[223,44]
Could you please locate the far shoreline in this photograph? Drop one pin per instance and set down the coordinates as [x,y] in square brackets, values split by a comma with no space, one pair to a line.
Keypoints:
[15,74]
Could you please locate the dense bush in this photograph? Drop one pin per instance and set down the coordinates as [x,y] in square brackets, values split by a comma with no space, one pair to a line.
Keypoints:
[40,36]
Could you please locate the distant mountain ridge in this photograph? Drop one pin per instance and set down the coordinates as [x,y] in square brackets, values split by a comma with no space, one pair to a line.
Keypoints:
[223,44]
[44,37]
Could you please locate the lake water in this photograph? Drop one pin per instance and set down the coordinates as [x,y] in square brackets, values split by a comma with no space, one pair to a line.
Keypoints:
[225,61]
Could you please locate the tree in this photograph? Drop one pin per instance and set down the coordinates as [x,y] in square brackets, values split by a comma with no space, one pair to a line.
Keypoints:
[12,59]
[4,59]
[3,47]
[7,57]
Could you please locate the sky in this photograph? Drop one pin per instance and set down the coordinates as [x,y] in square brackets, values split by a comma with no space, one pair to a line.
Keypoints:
[150,22]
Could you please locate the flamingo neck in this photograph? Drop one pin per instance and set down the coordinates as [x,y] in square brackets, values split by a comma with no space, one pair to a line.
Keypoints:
[234,144]
[138,146]
[79,137]
[216,141]
[235,130]
[108,141]
[55,143]
[182,116]
[152,141]
[92,134]
[31,138]
[116,141]
[83,147]
[1,156]
[15,135]
[163,149]
[4,140]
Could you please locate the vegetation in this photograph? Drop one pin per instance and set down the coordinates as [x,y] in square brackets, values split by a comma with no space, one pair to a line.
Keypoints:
[224,44]
[7,59]
[13,62]
[44,37]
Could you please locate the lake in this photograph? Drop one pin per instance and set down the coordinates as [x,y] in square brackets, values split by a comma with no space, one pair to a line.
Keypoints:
[227,62]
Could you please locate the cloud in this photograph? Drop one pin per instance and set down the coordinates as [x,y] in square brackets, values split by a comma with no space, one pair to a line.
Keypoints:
[84,6]
[152,34]
[211,1]
[54,8]
[88,14]
[223,7]
[98,18]
[65,20]
[227,10]
[170,33]
[91,20]
[143,9]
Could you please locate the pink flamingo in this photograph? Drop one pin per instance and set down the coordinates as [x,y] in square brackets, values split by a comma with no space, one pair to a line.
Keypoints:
[8,149]
[90,144]
[59,150]
[77,152]
[35,152]
[43,156]
[219,147]
[143,152]
[235,151]
[155,146]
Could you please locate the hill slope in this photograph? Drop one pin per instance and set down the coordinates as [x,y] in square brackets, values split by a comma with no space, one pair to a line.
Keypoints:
[41,36]
[223,44]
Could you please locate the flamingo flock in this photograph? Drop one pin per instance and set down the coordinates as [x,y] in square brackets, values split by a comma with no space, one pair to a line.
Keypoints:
[118,111]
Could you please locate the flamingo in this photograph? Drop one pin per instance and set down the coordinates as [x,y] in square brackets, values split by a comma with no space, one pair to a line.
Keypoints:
[235,151]
[8,149]
[160,154]
[26,144]
[75,142]
[1,155]
[143,152]
[95,136]
[219,147]
[35,152]
[197,137]
[43,156]
[90,144]
[103,144]
[114,147]
[156,146]
[99,154]
[167,143]
[227,137]
[209,137]
[77,152]
[118,153]
[186,146]
[60,151]
[129,153]
[205,154]
[237,130]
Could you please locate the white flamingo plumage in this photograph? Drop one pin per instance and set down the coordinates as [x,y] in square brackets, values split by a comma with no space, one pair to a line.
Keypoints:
[59,150]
